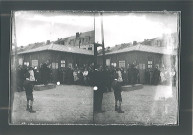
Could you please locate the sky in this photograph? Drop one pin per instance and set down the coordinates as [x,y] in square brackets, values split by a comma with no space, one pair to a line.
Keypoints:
[120,27]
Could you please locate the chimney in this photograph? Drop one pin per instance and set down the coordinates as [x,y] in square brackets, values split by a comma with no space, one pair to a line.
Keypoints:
[77,35]
[48,42]
[134,42]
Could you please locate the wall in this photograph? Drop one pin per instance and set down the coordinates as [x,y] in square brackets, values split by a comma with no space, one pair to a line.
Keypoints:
[56,57]
[133,57]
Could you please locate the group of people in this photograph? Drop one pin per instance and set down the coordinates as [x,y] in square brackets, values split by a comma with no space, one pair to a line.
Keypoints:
[83,75]
[102,79]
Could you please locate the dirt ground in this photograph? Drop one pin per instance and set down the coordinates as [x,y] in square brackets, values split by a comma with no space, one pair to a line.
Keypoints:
[152,105]
[67,104]
[72,104]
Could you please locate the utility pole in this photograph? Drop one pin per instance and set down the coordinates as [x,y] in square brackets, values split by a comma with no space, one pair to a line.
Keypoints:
[95,47]
[103,45]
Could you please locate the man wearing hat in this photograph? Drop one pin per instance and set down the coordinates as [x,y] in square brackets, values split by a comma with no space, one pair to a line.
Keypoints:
[28,85]
[117,93]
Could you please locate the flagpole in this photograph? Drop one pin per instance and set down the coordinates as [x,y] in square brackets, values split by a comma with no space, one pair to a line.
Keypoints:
[95,46]
[102,36]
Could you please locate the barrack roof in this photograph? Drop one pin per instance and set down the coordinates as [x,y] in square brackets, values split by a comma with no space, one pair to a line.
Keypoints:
[145,48]
[60,48]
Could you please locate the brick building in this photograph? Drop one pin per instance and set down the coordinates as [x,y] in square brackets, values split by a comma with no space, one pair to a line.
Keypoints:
[83,40]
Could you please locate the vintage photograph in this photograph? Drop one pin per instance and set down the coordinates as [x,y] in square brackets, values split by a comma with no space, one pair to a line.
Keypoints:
[95,67]
[52,52]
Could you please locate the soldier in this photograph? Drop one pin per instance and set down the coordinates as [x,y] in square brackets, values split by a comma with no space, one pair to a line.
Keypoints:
[28,85]
[117,93]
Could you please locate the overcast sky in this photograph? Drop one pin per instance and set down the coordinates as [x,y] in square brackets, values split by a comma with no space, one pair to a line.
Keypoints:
[39,26]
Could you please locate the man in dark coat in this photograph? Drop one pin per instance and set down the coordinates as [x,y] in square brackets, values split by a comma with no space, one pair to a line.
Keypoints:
[45,74]
[133,75]
[156,76]
[147,76]
[69,75]
[117,93]
[19,78]
[107,79]
[99,88]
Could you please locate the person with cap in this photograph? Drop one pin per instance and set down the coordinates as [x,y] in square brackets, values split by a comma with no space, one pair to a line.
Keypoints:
[28,85]
[99,89]
[117,93]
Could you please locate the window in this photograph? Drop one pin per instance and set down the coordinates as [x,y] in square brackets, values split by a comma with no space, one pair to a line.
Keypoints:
[149,64]
[122,64]
[62,63]
[34,63]
[89,48]
[20,61]
[54,65]
[108,62]
[141,66]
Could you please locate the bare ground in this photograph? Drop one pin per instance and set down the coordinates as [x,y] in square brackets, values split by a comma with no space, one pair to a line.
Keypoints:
[72,104]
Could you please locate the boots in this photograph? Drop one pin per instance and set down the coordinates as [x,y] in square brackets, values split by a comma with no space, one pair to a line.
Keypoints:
[30,107]
[119,110]
[116,108]
[31,110]
[27,109]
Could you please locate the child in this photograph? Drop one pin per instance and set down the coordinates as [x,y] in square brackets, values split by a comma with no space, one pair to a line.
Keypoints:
[28,85]
[117,93]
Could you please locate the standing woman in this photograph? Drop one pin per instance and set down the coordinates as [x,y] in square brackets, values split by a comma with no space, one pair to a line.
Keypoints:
[28,85]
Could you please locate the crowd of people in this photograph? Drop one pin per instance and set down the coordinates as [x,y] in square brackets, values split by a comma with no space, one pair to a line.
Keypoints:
[101,79]
[84,75]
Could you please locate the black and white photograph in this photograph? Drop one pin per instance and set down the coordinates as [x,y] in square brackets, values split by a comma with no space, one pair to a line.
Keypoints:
[94,68]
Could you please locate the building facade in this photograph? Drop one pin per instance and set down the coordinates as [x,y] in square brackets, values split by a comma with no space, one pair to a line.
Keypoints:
[143,56]
[56,56]
[83,40]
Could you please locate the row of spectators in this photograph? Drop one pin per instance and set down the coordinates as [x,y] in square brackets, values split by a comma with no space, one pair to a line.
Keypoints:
[84,75]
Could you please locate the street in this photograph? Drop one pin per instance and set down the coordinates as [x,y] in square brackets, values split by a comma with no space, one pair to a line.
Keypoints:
[72,104]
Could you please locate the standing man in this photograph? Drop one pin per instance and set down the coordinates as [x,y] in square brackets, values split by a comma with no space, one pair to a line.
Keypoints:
[117,93]
[99,87]
[156,76]
[28,85]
